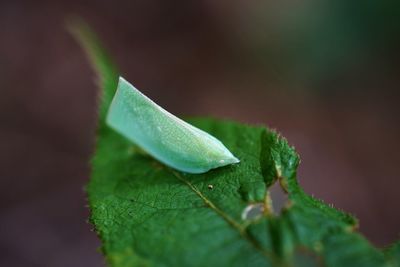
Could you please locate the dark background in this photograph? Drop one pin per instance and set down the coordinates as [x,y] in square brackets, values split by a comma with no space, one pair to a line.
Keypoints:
[324,73]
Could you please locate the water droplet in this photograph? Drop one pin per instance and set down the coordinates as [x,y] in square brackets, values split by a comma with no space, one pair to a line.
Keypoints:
[210,186]
[253,211]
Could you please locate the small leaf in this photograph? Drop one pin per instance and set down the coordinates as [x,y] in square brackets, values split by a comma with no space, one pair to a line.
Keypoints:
[166,137]
[150,215]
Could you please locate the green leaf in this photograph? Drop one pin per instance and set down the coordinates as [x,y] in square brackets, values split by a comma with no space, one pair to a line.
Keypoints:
[393,254]
[147,214]
[107,73]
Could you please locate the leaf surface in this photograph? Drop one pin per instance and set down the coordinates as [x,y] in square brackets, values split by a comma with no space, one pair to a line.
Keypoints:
[147,214]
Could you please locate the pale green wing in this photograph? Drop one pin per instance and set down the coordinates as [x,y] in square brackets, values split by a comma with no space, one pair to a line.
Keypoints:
[169,139]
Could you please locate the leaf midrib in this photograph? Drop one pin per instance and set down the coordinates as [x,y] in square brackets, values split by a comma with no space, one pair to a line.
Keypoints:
[237,226]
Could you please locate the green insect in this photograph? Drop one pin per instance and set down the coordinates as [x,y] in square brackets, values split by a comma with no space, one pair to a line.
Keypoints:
[167,138]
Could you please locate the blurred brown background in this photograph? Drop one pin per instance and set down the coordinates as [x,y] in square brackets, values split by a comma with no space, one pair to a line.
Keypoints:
[324,73]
